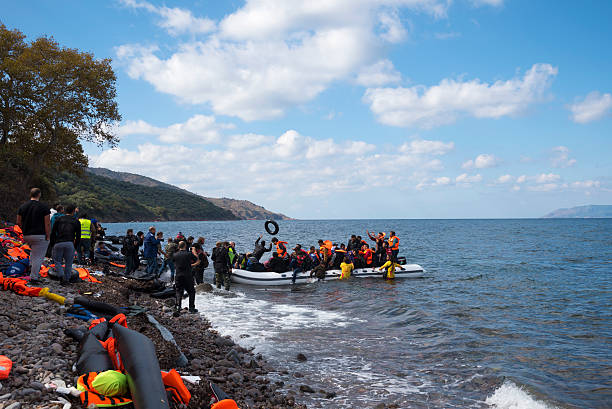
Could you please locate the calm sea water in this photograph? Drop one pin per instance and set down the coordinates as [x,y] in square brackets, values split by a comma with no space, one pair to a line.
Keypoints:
[512,314]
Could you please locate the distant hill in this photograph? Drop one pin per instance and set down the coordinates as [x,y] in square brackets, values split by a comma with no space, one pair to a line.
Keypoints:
[111,200]
[590,211]
[242,209]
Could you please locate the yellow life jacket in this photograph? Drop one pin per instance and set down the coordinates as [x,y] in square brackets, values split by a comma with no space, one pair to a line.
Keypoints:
[89,395]
[85,228]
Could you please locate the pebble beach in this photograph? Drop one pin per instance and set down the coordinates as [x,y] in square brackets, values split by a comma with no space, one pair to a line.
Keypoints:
[33,336]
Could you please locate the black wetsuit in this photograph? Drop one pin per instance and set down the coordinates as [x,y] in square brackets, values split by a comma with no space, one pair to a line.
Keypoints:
[184,278]
[259,250]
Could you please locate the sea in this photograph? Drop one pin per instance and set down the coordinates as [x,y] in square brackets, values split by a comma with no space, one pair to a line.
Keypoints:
[511,314]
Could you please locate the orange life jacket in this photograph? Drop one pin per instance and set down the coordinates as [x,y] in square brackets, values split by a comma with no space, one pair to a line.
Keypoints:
[172,382]
[85,276]
[367,255]
[225,404]
[394,243]
[5,366]
[18,286]
[112,263]
[281,248]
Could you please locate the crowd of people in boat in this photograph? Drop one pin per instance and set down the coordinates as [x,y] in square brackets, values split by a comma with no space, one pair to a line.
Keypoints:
[61,231]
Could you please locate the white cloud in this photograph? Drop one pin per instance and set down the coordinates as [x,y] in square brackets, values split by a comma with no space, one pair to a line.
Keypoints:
[444,103]
[175,20]
[505,179]
[465,178]
[324,166]
[270,55]
[586,184]
[546,187]
[591,108]
[560,157]
[494,3]
[138,127]
[482,161]
[199,129]
[547,178]
[521,179]
[425,147]
[381,73]
[392,28]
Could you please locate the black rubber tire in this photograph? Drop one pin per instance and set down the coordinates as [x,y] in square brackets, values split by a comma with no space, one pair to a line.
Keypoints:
[273,223]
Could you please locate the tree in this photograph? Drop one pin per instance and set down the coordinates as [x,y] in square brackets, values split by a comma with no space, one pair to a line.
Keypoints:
[51,99]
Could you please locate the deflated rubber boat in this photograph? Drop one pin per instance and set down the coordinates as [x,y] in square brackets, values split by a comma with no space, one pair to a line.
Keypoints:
[268,278]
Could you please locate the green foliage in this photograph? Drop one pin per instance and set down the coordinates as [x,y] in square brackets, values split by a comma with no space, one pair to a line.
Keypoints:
[115,201]
[51,99]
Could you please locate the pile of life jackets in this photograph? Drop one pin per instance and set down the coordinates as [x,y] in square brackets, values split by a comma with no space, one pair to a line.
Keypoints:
[101,350]
[15,257]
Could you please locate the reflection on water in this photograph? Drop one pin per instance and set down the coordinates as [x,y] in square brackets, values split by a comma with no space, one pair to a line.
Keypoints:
[512,314]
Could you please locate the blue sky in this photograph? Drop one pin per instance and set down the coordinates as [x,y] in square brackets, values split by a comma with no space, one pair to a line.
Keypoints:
[354,108]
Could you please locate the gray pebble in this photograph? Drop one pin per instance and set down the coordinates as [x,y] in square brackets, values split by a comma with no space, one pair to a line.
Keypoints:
[57,348]
[15,405]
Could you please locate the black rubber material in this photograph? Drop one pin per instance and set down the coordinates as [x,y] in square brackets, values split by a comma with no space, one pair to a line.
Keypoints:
[167,293]
[97,306]
[92,356]
[140,361]
[101,331]
[273,223]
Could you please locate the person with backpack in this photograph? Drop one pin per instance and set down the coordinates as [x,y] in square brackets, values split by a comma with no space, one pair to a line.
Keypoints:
[130,251]
[65,237]
[171,248]
[222,264]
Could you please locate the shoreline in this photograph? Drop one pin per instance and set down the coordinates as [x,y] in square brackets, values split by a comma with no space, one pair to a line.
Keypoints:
[32,336]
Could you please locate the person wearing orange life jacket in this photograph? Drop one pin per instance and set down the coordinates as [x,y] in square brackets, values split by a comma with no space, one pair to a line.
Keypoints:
[281,247]
[393,245]
[367,254]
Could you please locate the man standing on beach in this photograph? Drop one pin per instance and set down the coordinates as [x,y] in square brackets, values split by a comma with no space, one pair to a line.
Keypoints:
[130,251]
[150,251]
[66,235]
[184,261]
[35,221]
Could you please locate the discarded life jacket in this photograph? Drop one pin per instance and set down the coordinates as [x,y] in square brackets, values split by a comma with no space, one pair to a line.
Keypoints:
[5,366]
[89,395]
[17,253]
[175,385]
[18,286]
[172,382]
[86,276]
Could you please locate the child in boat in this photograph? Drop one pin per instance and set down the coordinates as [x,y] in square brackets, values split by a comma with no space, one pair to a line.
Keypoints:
[347,268]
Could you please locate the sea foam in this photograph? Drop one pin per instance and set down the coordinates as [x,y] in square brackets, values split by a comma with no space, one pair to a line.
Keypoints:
[511,396]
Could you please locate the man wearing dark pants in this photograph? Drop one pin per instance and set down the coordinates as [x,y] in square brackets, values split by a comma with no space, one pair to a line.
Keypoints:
[183,281]
[66,235]
[130,251]
[35,221]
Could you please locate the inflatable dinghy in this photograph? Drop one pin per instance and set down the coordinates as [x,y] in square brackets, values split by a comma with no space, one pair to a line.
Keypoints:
[268,278]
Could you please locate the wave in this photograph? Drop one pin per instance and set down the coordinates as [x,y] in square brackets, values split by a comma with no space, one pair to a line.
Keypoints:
[511,396]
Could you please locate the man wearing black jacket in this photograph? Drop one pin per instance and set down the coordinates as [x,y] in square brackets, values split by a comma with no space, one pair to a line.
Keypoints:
[260,248]
[130,251]
[184,261]
[222,265]
[65,237]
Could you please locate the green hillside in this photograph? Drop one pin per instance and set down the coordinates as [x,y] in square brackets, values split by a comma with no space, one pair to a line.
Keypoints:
[110,200]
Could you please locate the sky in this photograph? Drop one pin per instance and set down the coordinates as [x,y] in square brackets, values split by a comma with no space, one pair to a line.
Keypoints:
[331,109]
